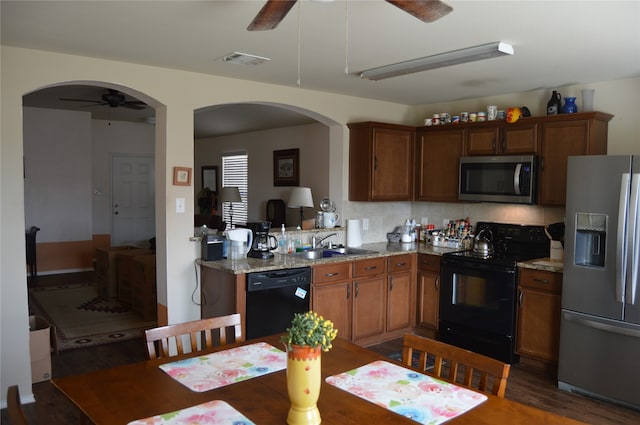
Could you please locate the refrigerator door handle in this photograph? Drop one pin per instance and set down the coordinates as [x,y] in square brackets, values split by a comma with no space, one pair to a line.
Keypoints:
[596,324]
[622,249]
[633,236]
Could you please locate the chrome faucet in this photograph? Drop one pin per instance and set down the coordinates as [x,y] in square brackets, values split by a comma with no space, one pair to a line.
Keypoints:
[315,241]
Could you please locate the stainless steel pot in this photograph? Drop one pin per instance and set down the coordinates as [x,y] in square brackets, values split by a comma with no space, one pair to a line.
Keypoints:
[483,244]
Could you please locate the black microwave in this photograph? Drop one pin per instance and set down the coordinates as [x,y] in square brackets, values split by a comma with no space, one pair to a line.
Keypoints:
[509,179]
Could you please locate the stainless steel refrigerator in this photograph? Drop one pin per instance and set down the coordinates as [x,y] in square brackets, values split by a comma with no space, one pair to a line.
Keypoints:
[600,326]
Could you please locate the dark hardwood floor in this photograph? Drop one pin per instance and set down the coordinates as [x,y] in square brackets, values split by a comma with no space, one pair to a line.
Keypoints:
[526,385]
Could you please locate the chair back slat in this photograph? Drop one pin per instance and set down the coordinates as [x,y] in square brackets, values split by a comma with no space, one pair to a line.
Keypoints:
[159,340]
[479,370]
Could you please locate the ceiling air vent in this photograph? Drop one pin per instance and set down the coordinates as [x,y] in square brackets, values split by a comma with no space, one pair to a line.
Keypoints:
[238,58]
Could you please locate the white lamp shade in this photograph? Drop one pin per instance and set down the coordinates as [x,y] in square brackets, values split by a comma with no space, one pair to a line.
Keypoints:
[300,197]
[230,194]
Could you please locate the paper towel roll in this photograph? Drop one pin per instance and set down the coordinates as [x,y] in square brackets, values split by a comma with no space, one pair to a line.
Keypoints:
[354,234]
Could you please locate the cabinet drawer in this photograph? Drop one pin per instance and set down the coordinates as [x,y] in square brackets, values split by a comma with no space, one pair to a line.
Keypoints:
[398,263]
[427,262]
[369,267]
[331,273]
[541,279]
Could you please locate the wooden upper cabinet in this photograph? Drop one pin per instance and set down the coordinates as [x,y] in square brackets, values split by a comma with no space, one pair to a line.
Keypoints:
[381,162]
[564,136]
[493,138]
[438,152]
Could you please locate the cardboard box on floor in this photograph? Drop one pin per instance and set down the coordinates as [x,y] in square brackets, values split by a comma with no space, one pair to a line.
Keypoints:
[41,340]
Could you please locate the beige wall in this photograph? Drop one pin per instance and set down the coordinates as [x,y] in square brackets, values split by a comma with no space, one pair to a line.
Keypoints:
[311,139]
[176,95]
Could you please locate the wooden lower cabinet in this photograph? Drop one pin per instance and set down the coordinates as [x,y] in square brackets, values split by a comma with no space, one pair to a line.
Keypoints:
[369,301]
[333,301]
[538,325]
[372,301]
[428,291]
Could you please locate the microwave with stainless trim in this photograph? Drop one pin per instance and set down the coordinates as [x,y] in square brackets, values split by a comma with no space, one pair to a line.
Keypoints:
[507,179]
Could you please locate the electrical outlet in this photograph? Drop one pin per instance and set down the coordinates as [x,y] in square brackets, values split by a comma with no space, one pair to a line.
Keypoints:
[365,224]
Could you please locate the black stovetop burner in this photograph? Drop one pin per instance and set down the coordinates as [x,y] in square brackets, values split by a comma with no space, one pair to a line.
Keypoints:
[511,243]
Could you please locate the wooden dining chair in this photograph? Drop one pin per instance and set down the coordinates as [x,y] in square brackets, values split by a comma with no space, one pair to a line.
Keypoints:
[479,370]
[14,407]
[212,332]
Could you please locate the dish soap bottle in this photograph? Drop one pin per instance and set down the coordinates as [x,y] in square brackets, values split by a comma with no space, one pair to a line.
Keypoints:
[554,104]
[282,243]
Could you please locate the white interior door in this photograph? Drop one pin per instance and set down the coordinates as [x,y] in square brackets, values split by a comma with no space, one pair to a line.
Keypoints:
[132,200]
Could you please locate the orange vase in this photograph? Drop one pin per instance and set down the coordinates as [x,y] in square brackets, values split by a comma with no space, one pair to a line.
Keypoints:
[303,384]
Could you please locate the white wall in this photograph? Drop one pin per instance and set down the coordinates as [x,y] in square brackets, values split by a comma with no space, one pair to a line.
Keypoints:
[313,142]
[57,182]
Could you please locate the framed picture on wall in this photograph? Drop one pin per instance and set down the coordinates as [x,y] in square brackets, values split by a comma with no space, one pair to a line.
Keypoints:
[286,167]
[210,177]
[181,176]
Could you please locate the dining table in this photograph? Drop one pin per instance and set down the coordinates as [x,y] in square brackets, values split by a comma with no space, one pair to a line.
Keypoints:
[144,390]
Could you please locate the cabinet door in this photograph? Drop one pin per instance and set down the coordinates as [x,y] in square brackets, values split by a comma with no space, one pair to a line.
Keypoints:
[538,329]
[369,304]
[559,141]
[482,141]
[399,301]
[519,139]
[392,165]
[333,301]
[428,299]
[437,164]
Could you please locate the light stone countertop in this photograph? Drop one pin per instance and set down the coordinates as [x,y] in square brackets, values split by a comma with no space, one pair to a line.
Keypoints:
[546,264]
[281,261]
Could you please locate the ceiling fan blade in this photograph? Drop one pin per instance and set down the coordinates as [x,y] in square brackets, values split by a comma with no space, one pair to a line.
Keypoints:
[137,105]
[80,100]
[425,10]
[271,14]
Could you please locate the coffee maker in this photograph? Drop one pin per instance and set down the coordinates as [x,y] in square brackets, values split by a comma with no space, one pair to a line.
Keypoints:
[263,242]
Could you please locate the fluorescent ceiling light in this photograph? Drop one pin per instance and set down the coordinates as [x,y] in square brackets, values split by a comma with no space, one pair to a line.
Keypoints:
[239,58]
[454,57]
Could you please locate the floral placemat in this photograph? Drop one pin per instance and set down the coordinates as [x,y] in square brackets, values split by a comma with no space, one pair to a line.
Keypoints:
[414,395]
[226,367]
[216,412]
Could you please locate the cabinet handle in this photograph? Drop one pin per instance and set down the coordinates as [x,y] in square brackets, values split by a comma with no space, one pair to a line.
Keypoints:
[537,279]
[390,283]
[400,264]
[348,291]
[541,163]
[356,294]
[493,144]
[371,268]
[520,295]
[203,298]
[436,283]
[375,163]
[331,274]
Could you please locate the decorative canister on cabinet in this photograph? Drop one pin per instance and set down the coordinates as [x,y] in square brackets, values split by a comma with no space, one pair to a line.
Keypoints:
[569,106]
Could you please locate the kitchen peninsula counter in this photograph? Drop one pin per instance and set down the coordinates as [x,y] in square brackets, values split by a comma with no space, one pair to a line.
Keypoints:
[281,261]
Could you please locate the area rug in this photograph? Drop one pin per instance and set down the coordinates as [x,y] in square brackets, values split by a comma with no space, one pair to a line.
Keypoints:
[84,319]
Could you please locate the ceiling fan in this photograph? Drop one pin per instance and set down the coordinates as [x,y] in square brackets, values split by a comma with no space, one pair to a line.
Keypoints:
[113,99]
[274,11]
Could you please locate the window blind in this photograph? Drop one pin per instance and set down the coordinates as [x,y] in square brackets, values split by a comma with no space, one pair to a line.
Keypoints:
[235,172]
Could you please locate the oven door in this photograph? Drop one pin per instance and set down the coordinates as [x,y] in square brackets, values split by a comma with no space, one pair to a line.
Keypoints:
[478,295]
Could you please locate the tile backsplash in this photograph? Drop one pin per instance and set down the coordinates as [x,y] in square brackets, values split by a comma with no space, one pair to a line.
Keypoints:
[384,216]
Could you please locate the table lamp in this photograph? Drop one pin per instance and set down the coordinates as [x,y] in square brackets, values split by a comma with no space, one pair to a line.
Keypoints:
[230,194]
[300,198]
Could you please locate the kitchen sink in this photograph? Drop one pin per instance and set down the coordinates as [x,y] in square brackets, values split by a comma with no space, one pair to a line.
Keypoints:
[318,253]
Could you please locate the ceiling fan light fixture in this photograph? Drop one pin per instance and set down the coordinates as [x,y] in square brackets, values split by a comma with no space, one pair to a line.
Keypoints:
[239,58]
[440,60]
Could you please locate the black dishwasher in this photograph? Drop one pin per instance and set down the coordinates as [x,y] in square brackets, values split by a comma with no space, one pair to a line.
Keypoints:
[273,297]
